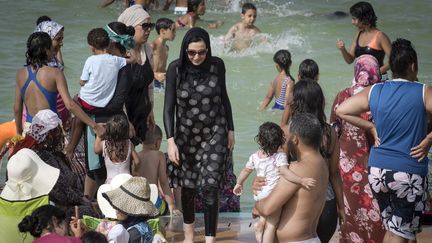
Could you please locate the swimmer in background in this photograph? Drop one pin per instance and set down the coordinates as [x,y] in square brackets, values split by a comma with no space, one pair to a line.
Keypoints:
[166,32]
[242,33]
[195,8]
[282,84]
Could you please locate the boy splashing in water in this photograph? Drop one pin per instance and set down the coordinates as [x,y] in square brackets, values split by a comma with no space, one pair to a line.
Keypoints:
[240,35]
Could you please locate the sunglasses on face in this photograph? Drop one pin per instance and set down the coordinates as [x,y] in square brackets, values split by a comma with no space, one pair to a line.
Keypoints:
[192,53]
[148,26]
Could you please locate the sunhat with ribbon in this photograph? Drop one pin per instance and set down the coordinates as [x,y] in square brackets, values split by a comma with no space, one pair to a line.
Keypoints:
[115,183]
[28,177]
[133,198]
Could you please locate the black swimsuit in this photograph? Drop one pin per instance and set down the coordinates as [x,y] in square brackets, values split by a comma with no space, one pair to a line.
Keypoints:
[362,50]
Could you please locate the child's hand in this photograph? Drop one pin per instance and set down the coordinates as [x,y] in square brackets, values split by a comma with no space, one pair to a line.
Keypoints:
[308,182]
[238,190]
[82,82]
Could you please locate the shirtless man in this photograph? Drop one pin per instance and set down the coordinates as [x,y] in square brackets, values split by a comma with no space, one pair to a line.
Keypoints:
[165,29]
[301,208]
[242,33]
[153,166]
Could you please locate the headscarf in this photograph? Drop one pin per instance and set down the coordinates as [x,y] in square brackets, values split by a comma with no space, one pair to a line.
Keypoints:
[366,72]
[52,28]
[126,41]
[133,15]
[184,61]
[43,122]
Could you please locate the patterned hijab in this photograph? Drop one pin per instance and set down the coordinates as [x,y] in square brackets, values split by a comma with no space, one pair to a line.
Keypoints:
[52,28]
[366,73]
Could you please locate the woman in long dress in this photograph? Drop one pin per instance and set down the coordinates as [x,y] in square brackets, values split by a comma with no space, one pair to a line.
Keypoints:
[199,127]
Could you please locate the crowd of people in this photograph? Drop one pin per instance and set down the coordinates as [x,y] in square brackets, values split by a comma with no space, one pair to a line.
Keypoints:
[365,168]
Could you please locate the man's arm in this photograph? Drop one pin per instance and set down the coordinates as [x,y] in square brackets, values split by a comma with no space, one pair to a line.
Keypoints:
[281,193]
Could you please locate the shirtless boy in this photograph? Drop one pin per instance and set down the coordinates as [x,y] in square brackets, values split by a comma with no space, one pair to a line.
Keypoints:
[301,208]
[165,29]
[153,168]
[242,33]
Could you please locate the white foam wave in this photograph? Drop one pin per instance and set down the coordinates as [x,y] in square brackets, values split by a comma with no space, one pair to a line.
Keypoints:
[263,43]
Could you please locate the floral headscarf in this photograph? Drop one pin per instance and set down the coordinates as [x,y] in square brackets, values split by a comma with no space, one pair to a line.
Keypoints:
[366,72]
[52,28]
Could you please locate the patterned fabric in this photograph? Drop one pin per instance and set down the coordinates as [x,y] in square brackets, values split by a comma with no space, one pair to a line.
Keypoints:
[228,202]
[202,130]
[361,210]
[140,233]
[401,197]
[52,28]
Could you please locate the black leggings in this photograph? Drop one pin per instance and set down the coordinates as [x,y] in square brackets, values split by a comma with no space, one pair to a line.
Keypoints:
[328,221]
[211,207]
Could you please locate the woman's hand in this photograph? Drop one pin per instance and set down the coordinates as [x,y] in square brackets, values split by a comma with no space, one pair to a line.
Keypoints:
[258,183]
[420,151]
[99,129]
[231,140]
[173,153]
[340,44]
[374,134]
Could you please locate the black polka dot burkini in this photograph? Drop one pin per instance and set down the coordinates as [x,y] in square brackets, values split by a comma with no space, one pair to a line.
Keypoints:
[197,97]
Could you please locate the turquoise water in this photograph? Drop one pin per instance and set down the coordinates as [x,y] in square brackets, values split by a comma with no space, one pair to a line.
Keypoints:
[301,26]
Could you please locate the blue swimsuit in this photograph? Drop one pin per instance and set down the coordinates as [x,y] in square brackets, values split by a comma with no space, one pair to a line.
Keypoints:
[280,101]
[49,95]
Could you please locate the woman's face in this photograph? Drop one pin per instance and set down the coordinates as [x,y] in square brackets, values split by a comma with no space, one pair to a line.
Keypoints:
[197,52]
[121,216]
[142,32]
[57,42]
[60,228]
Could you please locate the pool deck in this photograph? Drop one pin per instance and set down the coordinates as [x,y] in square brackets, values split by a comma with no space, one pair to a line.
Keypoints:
[238,227]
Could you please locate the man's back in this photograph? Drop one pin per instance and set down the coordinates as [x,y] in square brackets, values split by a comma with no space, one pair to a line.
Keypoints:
[300,214]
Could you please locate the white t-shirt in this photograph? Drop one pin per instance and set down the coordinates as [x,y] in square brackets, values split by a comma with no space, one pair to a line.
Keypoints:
[100,72]
[269,168]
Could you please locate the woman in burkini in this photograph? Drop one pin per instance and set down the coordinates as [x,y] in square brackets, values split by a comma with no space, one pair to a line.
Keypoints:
[116,148]
[368,40]
[355,144]
[37,85]
[269,161]
[398,163]
[282,84]
[199,127]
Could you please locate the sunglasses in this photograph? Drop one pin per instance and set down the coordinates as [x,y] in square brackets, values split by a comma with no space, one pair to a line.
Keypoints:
[192,53]
[148,26]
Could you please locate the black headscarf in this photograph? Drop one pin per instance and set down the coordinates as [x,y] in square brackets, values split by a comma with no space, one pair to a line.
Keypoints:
[184,63]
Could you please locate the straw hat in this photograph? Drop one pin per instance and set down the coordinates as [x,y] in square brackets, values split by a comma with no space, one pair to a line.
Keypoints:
[28,176]
[115,183]
[133,198]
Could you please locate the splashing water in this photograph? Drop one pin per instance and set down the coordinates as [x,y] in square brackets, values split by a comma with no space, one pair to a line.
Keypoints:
[262,43]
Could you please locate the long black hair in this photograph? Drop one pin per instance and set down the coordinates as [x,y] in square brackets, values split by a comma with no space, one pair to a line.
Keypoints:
[365,13]
[121,29]
[309,98]
[38,44]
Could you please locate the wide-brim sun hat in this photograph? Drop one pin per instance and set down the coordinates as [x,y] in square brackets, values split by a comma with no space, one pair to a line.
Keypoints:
[115,183]
[28,177]
[133,198]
